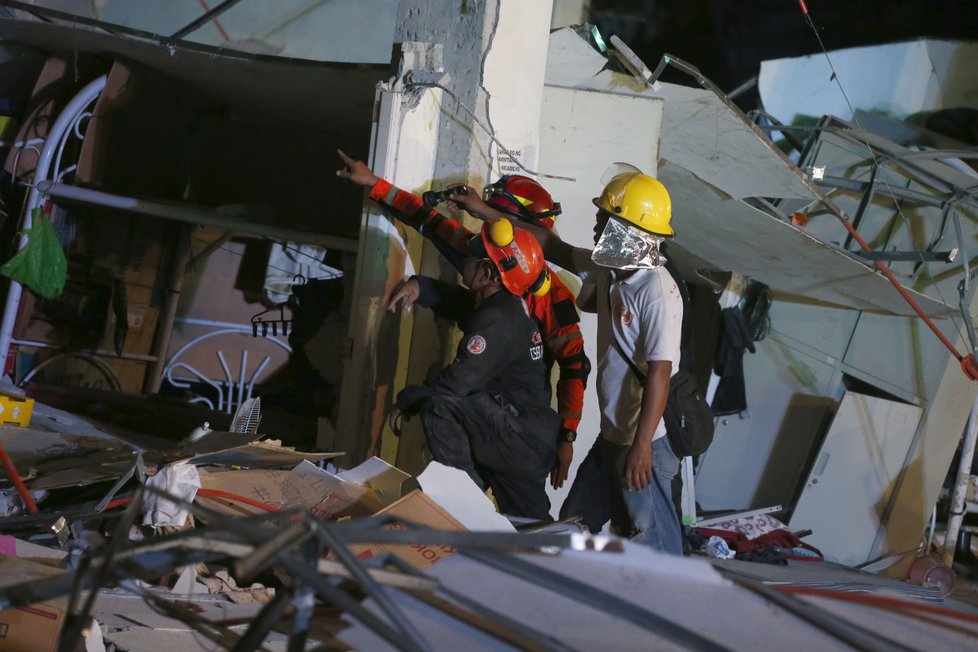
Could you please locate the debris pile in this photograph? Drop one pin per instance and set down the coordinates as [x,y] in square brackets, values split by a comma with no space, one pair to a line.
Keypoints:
[228,541]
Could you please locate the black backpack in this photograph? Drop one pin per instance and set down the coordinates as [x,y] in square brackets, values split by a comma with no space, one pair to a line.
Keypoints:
[688,417]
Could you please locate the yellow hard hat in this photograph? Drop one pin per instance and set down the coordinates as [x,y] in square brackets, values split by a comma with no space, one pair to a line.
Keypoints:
[639,199]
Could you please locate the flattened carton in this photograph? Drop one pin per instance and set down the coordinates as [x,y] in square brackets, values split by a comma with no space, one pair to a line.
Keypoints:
[34,627]
[326,497]
[418,508]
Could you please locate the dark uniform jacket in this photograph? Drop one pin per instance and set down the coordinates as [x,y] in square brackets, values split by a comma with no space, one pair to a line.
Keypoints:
[501,351]
[555,312]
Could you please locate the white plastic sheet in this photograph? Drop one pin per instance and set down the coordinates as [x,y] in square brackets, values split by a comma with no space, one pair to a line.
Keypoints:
[181,480]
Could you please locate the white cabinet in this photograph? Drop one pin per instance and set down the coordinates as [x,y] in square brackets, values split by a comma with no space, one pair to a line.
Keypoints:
[846,498]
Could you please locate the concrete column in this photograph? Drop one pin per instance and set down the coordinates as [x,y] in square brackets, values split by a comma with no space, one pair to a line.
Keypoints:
[493,54]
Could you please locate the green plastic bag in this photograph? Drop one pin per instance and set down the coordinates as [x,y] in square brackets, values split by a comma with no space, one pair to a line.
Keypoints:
[41,264]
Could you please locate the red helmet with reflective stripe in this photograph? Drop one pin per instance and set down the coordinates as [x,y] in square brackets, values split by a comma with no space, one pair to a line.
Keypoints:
[523,198]
[518,258]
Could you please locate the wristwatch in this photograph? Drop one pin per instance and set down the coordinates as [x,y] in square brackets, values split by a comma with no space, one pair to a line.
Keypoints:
[566,434]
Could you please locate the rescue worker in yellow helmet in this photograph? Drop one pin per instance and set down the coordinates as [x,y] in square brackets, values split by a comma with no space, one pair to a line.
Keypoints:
[488,412]
[635,214]
[640,314]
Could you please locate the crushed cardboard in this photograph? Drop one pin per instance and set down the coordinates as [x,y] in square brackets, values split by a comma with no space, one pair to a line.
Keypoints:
[35,627]
[387,481]
[421,509]
[50,460]
[328,498]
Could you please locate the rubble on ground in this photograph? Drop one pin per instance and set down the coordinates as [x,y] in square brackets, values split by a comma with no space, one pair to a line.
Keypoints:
[230,540]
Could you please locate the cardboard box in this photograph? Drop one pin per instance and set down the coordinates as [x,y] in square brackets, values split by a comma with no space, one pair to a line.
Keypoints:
[418,508]
[387,481]
[327,498]
[35,627]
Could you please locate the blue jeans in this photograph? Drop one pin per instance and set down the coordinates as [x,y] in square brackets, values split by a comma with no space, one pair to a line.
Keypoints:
[648,516]
[652,513]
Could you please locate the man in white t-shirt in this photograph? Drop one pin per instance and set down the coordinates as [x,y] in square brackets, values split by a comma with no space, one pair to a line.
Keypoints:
[640,314]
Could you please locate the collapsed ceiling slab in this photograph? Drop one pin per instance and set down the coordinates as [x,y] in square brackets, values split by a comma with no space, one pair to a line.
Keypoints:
[250,135]
[712,158]
[251,86]
[733,235]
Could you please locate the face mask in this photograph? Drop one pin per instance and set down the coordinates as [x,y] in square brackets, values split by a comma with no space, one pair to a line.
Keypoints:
[623,246]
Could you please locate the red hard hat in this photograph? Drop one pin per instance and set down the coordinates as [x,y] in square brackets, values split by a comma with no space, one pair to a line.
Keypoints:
[518,257]
[523,198]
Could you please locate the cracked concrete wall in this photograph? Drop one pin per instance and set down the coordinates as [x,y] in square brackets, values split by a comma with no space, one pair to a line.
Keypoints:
[494,53]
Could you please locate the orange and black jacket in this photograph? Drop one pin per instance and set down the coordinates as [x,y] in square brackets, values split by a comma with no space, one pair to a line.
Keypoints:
[555,312]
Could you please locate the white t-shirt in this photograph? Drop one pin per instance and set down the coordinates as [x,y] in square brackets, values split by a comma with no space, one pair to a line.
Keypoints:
[645,313]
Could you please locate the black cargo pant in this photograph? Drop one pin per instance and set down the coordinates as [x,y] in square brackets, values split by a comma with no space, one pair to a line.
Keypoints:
[510,449]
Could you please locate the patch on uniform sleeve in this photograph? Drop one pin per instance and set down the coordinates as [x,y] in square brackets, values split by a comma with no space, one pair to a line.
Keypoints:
[565,312]
[476,345]
[536,350]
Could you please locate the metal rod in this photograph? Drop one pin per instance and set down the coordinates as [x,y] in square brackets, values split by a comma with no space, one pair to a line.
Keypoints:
[207,17]
[72,633]
[868,192]
[101,353]
[374,590]
[230,384]
[960,494]
[268,617]
[897,193]
[303,598]
[532,639]
[194,215]
[264,555]
[161,340]
[964,289]
[241,376]
[64,121]
[912,256]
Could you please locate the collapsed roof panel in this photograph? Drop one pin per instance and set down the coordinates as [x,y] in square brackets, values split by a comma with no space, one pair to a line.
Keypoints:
[733,235]
[919,214]
[308,93]
[250,135]
[700,130]
[704,134]
[339,30]
[720,169]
